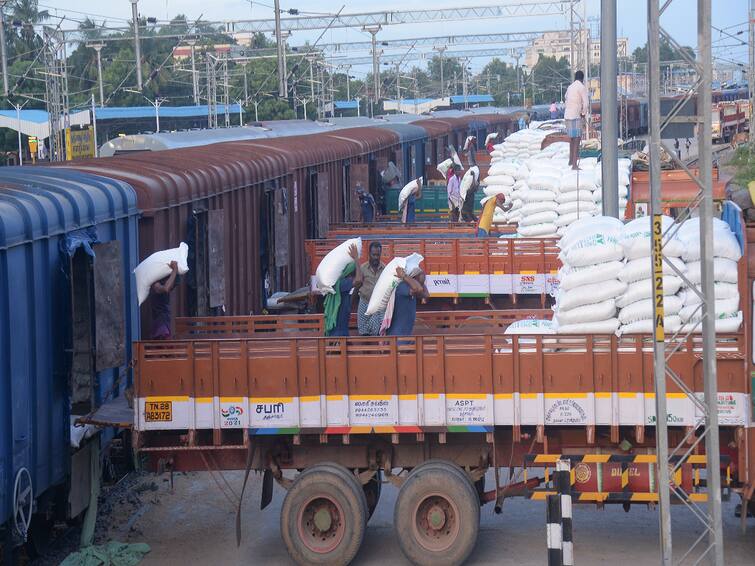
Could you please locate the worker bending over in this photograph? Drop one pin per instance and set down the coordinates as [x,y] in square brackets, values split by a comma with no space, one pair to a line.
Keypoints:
[488,211]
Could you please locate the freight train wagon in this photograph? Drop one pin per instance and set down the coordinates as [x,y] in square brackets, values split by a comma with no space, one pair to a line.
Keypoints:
[68,316]
[446,406]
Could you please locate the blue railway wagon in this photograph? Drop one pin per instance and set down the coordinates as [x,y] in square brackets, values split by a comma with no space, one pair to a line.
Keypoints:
[68,316]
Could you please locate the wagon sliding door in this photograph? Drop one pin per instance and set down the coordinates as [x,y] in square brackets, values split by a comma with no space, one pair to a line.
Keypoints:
[206,277]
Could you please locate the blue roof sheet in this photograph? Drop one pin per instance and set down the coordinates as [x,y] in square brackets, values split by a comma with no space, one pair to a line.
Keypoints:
[472,98]
[346,104]
[134,112]
[36,116]
[41,202]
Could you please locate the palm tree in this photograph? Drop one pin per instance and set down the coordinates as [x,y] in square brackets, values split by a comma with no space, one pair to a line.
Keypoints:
[26,13]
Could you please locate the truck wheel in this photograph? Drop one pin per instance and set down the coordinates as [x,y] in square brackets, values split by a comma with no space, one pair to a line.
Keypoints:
[437,516]
[323,517]
[372,491]
[349,476]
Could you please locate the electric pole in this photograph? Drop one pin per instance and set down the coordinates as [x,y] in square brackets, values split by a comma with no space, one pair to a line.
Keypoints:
[194,82]
[281,53]
[137,46]
[3,55]
[373,30]
[98,48]
[751,70]
[441,50]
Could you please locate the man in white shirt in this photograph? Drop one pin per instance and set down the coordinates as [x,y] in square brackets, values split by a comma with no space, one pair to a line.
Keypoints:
[575,109]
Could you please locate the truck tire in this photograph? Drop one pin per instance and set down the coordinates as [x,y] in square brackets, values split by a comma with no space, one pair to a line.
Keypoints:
[348,475]
[323,518]
[437,515]
[479,485]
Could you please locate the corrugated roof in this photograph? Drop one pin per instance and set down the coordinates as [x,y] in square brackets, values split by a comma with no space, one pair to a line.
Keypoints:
[40,202]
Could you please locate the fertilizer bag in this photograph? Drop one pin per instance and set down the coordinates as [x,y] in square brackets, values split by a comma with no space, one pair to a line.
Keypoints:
[409,188]
[388,281]
[157,266]
[333,264]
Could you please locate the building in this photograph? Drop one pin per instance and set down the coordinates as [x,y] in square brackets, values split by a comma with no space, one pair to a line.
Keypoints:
[558,44]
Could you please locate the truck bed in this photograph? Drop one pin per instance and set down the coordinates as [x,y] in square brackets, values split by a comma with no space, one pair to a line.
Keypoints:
[472,381]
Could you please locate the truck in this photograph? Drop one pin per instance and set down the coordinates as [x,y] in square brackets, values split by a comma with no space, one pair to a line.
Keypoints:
[440,415]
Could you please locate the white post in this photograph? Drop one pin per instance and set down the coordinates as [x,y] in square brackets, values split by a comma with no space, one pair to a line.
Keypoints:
[241,113]
[18,130]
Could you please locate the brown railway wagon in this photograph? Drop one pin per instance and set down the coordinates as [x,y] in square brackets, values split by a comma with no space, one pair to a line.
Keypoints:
[420,228]
[220,198]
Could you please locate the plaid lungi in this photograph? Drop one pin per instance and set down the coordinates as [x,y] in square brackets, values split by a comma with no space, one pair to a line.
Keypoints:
[368,325]
[574,128]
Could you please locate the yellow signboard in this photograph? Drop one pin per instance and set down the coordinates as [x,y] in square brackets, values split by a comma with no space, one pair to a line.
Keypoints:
[658,276]
[79,143]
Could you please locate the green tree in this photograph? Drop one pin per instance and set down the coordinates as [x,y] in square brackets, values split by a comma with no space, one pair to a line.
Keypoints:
[548,77]
[666,51]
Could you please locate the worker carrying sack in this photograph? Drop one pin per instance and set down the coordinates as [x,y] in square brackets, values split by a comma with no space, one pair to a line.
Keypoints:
[412,187]
[387,282]
[333,264]
[157,267]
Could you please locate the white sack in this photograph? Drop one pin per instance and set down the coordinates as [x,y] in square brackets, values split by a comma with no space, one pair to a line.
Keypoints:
[539,195]
[576,277]
[600,327]
[157,267]
[637,238]
[584,207]
[412,187]
[724,270]
[538,230]
[467,180]
[444,166]
[643,289]
[568,299]
[724,308]
[592,249]
[546,217]
[575,180]
[671,323]
[530,326]
[642,268]
[499,179]
[333,264]
[388,281]
[572,196]
[645,308]
[720,291]
[724,243]
[729,324]
[571,217]
[587,313]
[541,206]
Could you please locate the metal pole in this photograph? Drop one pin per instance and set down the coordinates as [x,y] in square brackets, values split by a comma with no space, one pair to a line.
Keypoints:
[608,94]
[284,36]
[464,82]
[659,346]
[18,108]
[572,59]
[3,55]
[246,85]
[94,126]
[98,48]
[281,54]
[398,86]
[137,46]
[751,70]
[441,50]
[710,379]
[311,80]
[373,30]
[194,86]
[586,45]
[226,93]
[241,112]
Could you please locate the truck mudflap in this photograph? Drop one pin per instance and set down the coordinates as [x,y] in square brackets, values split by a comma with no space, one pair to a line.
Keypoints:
[620,478]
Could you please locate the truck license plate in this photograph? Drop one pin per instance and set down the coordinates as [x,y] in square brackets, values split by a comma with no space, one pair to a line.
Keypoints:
[158,411]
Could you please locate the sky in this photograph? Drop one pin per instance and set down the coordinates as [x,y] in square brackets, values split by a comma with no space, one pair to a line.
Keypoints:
[679,20]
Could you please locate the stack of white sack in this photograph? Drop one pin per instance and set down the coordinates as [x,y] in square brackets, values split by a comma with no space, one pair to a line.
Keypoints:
[726,254]
[625,173]
[521,144]
[636,305]
[576,197]
[556,150]
[501,178]
[157,267]
[592,258]
[536,217]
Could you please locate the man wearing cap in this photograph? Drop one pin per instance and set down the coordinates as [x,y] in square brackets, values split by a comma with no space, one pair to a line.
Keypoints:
[367,205]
